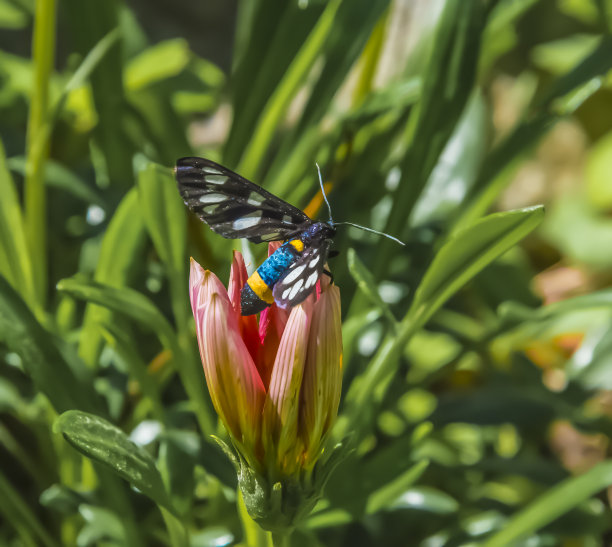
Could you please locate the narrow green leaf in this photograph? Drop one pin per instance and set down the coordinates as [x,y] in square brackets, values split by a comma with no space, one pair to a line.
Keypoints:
[138,307]
[447,86]
[126,352]
[366,283]
[467,252]
[42,359]
[19,515]
[553,504]
[87,66]
[164,214]
[389,493]
[123,300]
[107,444]
[15,263]
[58,176]
[159,62]
[464,255]
[37,142]
[277,104]
[120,252]
[565,95]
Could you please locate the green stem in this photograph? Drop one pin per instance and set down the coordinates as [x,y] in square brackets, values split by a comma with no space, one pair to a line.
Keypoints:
[254,536]
[281,539]
[37,145]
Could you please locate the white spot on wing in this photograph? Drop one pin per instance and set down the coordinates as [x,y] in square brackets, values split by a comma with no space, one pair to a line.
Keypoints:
[295,289]
[247,221]
[312,279]
[209,209]
[216,179]
[212,198]
[287,219]
[314,261]
[293,274]
[286,293]
[211,171]
[255,199]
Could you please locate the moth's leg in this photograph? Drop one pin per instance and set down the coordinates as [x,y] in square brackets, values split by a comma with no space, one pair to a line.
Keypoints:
[330,275]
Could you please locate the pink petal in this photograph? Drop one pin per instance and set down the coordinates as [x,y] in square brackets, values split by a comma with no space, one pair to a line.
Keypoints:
[248,325]
[202,283]
[234,384]
[273,246]
[320,395]
[237,280]
[281,409]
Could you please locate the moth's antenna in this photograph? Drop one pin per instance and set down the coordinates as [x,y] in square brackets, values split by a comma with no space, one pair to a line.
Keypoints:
[331,220]
[372,230]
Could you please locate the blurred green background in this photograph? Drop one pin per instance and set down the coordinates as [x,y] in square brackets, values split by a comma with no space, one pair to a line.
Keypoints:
[477,372]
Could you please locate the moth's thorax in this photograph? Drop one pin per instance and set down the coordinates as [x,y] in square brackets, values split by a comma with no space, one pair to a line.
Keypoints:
[318,232]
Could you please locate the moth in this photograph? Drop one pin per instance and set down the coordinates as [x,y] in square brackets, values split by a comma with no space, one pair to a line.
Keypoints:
[234,207]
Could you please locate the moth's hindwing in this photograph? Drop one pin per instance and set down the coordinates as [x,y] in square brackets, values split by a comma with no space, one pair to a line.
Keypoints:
[301,277]
[233,206]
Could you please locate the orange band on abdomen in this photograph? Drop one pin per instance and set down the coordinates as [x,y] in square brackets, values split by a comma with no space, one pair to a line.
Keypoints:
[260,288]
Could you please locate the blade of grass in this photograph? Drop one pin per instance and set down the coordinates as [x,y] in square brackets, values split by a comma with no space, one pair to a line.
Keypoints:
[458,261]
[37,145]
[17,512]
[15,263]
[277,105]
[138,307]
[552,504]
[447,87]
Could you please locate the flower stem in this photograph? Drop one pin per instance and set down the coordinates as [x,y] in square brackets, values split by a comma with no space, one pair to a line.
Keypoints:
[281,539]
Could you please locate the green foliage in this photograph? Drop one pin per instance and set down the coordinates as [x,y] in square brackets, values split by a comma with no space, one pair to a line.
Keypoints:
[461,398]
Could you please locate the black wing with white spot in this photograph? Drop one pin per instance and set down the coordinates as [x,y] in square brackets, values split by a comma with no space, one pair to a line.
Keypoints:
[301,277]
[233,206]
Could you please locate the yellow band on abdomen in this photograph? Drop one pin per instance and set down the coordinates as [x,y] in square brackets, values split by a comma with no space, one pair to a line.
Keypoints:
[298,245]
[260,288]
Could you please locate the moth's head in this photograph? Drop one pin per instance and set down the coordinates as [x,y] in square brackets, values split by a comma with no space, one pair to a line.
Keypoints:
[317,232]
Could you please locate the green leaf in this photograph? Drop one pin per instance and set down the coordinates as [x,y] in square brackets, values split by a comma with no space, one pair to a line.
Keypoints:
[467,252]
[103,442]
[159,62]
[123,300]
[138,307]
[562,98]
[120,253]
[553,504]
[20,516]
[389,493]
[15,263]
[57,176]
[164,214]
[278,102]
[41,357]
[102,526]
[367,284]
[447,85]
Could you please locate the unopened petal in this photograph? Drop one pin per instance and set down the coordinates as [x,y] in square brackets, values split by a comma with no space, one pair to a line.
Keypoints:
[202,284]
[322,382]
[247,324]
[281,409]
[234,384]
[238,277]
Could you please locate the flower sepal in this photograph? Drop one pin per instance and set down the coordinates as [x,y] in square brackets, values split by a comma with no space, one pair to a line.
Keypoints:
[282,504]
